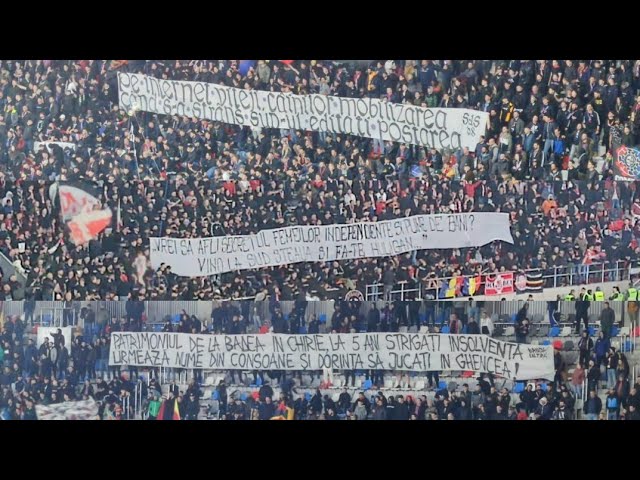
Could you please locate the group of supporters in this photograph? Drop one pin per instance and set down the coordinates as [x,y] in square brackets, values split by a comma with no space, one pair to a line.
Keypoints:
[540,160]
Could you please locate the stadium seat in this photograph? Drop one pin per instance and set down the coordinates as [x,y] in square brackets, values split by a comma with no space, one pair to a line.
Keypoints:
[420,384]
[208,381]
[322,318]
[452,386]
[47,319]
[358,383]
[215,395]
[259,381]
[636,332]
[403,329]
[367,385]
[566,332]
[335,397]
[518,387]
[592,332]
[175,318]
[467,374]
[628,346]
[424,329]
[535,342]
[445,329]
[624,331]
[543,386]
[544,330]
[513,318]
[388,382]
[307,396]
[537,318]
[244,396]
[546,342]
[554,332]
[423,318]
[615,331]
[303,330]
[465,330]
[510,331]
[442,385]
[568,346]
[557,344]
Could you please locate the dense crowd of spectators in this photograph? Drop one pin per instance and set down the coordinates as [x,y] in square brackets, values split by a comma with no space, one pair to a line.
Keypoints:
[61,369]
[181,177]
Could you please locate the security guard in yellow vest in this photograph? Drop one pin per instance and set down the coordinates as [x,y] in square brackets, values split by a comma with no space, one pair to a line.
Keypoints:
[632,294]
[570,297]
[588,296]
[617,296]
[598,295]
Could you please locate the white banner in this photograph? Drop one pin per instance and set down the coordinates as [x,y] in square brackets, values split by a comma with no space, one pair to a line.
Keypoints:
[356,351]
[81,410]
[49,332]
[323,243]
[364,117]
[48,145]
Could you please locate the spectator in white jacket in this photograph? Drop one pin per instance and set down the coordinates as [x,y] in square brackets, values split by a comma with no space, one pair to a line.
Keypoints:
[486,324]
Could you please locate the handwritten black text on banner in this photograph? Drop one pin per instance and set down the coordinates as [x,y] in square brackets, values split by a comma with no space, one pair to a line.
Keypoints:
[378,351]
[365,117]
[323,243]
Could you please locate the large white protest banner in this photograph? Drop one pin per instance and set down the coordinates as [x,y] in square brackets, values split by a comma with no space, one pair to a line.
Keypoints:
[321,243]
[356,351]
[441,128]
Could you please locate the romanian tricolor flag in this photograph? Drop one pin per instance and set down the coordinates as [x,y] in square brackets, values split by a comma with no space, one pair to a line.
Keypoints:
[471,285]
[450,288]
[176,410]
[451,291]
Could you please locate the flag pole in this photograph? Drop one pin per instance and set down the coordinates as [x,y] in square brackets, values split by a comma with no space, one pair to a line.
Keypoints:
[119,217]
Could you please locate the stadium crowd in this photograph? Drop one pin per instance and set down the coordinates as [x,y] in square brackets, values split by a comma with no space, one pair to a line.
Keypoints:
[175,176]
[62,370]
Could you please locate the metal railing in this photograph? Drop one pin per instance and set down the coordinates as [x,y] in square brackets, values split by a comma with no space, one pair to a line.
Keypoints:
[132,410]
[560,276]
[376,292]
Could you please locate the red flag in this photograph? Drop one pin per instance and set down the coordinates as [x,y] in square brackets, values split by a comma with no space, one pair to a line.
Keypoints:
[161,411]
[87,226]
[80,206]
[287,62]
[74,200]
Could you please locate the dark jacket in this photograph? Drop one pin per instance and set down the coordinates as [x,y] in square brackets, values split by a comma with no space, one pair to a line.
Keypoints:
[585,344]
[473,328]
[379,413]
[593,405]
[191,410]
[373,320]
[401,411]
[266,410]
[545,412]
[582,306]
[607,318]
[602,347]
